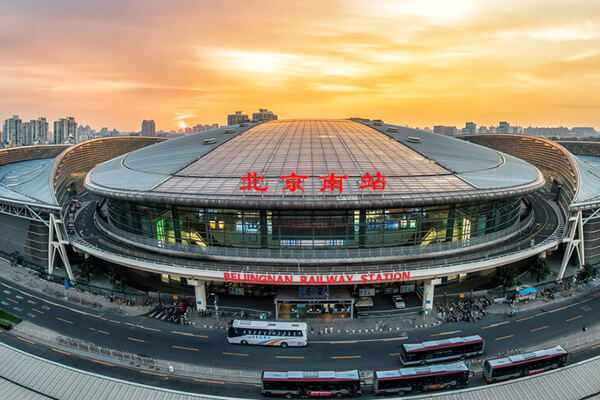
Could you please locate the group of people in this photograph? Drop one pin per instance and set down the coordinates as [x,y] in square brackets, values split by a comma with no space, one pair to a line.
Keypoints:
[468,310]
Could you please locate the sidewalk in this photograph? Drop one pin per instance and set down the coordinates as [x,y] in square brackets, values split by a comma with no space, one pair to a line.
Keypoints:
[23,277]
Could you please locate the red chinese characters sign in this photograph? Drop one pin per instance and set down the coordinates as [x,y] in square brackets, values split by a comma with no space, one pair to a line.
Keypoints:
[331,182]
[335,279]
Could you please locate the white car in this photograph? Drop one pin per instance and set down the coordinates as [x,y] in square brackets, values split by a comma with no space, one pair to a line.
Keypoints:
[398,301]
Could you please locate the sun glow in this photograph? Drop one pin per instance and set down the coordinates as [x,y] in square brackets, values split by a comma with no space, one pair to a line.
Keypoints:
[181,124]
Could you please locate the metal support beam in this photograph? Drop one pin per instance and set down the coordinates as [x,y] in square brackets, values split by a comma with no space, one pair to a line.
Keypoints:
[574,240]
[56,244]
[592,215]
[22,211]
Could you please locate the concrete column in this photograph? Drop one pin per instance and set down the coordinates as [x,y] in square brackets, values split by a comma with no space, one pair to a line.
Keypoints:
[428,296]
[200,292]
[428,291]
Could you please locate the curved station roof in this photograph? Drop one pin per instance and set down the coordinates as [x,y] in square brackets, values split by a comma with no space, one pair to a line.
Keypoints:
[27,182]
[211,168]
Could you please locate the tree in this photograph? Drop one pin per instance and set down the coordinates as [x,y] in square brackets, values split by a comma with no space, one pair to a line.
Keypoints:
[588,271]
[507,276]
[540,269]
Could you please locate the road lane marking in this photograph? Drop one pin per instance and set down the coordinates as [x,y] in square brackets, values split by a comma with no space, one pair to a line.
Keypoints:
[103,332]
[116,322]
[185,348]
[64,320]
[209,381]
[394,354]
[540,328]
[12,301]
[504,337]
[525,319]
[190,334]
[150,329]
[394,339]
[26,340]
[37,311]
[574,318]
[344,342]
[152,373]
[291,357]
[445,333]
[136,340]
[92,329]
[66,353]
[495,325]
[103,362]
[344,357]
[235,354]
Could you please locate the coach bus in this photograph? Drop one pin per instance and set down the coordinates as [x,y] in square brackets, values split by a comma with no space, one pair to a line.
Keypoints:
[441,350]
[420,379]
[267,333]
[501,369]
[291,384]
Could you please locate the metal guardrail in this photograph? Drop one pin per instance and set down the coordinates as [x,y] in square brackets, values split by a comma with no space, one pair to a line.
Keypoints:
[516,248]
[282,253]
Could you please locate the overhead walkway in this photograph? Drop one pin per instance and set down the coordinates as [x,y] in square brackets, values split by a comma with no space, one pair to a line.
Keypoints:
[48,379]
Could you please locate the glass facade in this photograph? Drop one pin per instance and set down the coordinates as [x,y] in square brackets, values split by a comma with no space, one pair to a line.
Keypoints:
[314,229]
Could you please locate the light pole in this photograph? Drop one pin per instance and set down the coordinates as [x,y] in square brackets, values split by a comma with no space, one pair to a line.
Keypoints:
[216,306]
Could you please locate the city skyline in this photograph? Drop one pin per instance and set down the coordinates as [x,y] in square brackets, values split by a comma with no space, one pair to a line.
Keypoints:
[420,66]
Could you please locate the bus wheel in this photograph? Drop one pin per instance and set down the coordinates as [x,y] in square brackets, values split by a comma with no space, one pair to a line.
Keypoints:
[288,396]
[339,395]
[244,342]
[422,363]
[284,344]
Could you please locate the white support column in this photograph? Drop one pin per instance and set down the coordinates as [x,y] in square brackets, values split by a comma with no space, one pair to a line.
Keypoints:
[428,291]
[574,240]
[200,292]
[57,243]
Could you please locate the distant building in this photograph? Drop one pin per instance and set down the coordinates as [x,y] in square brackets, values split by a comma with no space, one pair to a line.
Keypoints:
[263,115]
[503,127]
[12,131]
[237,118]
[104,132]
[583,131]
[469,129]
[560,131]
[445,130]
[482,130]
[65,129]
[148,127]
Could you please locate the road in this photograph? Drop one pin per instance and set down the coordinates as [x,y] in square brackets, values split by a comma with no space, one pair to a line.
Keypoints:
[187,344]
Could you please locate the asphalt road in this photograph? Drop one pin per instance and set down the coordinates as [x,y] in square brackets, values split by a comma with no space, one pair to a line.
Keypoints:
[172,342]
[168,341]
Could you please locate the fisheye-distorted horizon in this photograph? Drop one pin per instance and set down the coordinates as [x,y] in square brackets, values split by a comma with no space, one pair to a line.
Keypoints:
[114,63]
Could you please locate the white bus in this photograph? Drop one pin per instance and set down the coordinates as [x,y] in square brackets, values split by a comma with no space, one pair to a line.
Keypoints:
[267,333]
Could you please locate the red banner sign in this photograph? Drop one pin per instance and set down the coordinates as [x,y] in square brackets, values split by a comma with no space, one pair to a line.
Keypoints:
[335,279]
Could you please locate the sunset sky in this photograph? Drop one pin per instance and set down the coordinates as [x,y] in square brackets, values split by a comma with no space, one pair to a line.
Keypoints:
[114,63]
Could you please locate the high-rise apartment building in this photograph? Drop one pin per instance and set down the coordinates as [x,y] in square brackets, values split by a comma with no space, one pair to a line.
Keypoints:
[148,127]
[64,130]
[12,131]
[445,130]
[263,115]
[237,118]
[469,129]
[503,127]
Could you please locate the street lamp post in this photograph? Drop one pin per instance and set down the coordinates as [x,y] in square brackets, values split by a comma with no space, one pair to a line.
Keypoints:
[216,306]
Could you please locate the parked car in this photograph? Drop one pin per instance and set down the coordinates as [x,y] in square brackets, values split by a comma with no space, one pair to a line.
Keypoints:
[398,301]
